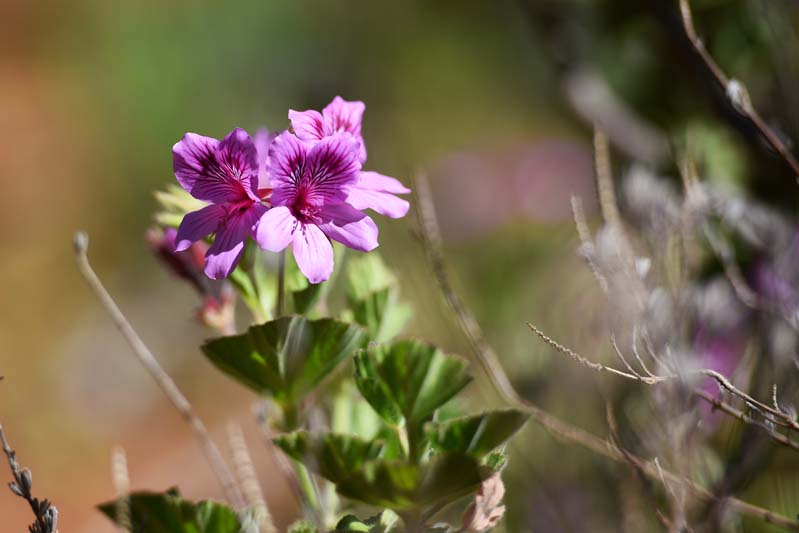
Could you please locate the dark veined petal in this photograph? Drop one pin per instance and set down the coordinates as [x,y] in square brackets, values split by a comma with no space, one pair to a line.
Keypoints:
[224,254]
[215,171]
[343,115]
[198,224]
[285,166]
[331,170]
[349,226]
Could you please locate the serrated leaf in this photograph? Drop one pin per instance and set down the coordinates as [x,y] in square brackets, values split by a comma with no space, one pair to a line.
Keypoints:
[167,512]
[367,274]
[400,485]
[476,435]
[286,357]
[333,456]
[408,378]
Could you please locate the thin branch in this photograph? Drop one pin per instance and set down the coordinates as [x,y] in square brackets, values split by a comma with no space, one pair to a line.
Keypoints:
[46,514]
[735,91]
[724,383]
[148,360]
[604,178]
[561,430]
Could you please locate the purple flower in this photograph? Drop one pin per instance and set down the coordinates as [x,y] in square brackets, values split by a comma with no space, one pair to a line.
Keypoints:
[372,190]
[311,183]
[224,173]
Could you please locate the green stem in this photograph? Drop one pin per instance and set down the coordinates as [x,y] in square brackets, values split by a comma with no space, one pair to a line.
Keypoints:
[281,283]
[308,488]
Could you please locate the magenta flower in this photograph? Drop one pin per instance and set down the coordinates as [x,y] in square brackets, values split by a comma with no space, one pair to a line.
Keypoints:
[372,190]
[224,173]
[310,186]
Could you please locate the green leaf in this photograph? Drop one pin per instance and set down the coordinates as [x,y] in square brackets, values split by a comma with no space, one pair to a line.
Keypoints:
[400,485]
[384,522]
[333,456]
[366,274]
[476,435]
[303,526]
[167,512]
[381,314]
[408,379]
[286,357]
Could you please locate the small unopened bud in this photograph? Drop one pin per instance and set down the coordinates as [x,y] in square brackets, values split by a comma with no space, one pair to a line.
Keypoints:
[739,96]
[27,479]
[15,489]
[52,519]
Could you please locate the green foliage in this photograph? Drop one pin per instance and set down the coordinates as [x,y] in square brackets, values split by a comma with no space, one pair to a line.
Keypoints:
[408,379]
[476,435]
[373,297]
[167,512]
[384,522]
[404,485]
[286,357]
[303,526]
[334,456]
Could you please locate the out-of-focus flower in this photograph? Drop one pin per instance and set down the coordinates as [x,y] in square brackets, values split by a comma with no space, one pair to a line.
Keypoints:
[226,174]
[311,184]
[218,299]
[487,509]
[372,190]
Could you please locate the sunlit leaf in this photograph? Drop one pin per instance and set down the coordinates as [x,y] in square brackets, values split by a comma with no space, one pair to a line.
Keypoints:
[167,512]
[476,435]
[286,357]
[333,456]
[410,379]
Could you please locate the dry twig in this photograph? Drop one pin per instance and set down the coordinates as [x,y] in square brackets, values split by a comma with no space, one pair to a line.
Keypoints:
[148,360]
[735,91]
[488,360]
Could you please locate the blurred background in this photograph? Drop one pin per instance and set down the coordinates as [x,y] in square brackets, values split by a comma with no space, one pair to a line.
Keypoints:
[493,100]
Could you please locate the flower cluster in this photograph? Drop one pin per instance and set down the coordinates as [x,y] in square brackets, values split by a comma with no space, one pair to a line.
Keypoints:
[299,188]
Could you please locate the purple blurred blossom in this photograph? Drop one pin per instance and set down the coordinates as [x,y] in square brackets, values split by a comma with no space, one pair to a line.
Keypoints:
[218,299]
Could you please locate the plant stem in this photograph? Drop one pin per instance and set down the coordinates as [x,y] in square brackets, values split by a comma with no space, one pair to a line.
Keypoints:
[308,488]
[281,283]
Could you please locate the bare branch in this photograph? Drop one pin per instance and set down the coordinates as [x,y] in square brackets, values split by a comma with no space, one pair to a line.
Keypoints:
[248,477]
[168,386]
[735,91]
[561,430]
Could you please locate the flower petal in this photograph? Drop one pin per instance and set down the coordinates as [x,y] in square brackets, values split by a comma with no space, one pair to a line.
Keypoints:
[224,254]
[313,253]
[275,229]
[308,125]
[198,224]
[376,191]
[262,141]
[238,155]
[215,171]
[285,166]
[331,169]
[349,226]
[342,115]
